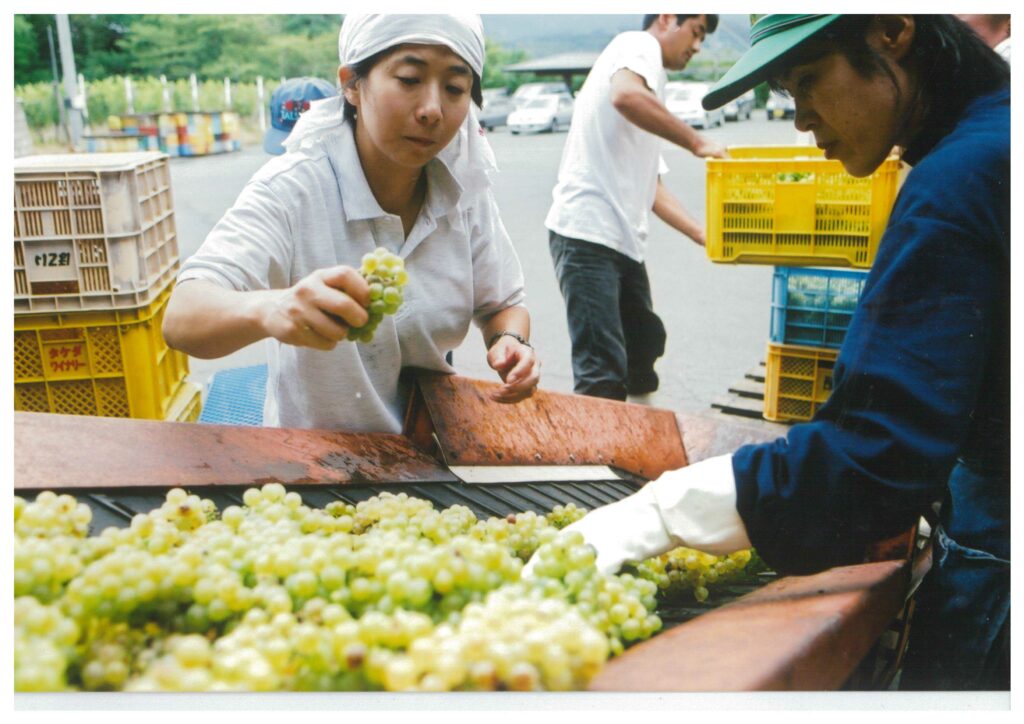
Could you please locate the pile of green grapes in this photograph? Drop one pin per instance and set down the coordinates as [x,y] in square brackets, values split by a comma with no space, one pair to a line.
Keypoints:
[385,274]
[390,594]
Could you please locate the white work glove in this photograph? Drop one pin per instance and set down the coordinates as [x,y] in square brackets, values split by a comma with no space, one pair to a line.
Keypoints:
[693,506]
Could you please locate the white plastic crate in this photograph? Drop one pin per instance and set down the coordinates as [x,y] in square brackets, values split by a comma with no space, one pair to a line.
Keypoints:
[92,231]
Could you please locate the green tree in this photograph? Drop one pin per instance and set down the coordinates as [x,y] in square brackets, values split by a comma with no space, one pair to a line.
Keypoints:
[497,57]
[26,49]
[32,48]
[284,56]
[96,39]
[310,26]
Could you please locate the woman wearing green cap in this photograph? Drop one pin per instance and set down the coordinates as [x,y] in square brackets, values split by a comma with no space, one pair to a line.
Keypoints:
[919,412]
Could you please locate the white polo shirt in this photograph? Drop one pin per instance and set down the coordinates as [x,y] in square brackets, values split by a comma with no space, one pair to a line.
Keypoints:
[609,170]
[313,209]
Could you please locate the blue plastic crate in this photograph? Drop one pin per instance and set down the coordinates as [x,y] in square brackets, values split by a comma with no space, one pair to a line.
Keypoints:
[813,307]
[236,397]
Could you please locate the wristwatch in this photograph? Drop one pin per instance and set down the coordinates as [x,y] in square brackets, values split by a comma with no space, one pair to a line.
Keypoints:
[504,333]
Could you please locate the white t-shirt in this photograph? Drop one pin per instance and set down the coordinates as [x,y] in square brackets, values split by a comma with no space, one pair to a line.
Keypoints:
[609,170]
[313,209]
[1003,48]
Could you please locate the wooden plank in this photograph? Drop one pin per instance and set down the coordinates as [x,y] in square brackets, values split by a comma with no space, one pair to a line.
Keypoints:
[800,633]
[756,374]
[76,452]
[549,428]
[748,388]
[711,434]
[742,406]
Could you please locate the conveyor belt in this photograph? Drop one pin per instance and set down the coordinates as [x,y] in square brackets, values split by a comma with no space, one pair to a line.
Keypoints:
[684,607]
[116,506]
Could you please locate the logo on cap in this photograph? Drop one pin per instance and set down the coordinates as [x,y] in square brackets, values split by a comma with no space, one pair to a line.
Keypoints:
[291,110]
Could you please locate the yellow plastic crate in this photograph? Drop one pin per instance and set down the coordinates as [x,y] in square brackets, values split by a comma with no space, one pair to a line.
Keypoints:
[186,405]
[105,363]
[797,381]
[790,205]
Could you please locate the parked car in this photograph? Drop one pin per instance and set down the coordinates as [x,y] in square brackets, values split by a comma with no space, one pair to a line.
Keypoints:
[683,101]
[528,91]
[497,105]
[543,113]
[780,105]
[740,108]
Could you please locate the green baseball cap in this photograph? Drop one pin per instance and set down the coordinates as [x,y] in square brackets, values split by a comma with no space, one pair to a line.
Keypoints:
[771,37]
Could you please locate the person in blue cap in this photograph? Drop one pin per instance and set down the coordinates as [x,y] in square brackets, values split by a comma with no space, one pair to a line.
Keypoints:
[919,414]
[289,101]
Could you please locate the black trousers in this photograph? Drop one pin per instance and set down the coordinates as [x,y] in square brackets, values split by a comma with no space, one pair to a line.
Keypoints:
[616,336]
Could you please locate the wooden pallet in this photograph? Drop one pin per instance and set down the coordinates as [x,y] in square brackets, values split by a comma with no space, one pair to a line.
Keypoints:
[745,397]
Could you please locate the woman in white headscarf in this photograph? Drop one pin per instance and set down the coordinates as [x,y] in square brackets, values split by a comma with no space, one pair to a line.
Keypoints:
[397,160]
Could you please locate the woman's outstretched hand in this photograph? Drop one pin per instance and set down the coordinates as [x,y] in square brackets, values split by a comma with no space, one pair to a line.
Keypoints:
[517,365]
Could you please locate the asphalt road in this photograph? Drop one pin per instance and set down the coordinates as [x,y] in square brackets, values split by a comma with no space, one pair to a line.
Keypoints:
[716,315]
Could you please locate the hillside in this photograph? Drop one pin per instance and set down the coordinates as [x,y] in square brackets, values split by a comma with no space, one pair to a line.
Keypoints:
[567,33]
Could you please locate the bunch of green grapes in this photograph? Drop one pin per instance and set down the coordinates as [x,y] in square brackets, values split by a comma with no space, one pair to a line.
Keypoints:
[385,273]
[563,515]
[621,607]
[51,516]
[520,533]
[516,639]
[146,571]
[44,641]
[110,652]
[44,566]
[796,177]
[687,569]
[50,544]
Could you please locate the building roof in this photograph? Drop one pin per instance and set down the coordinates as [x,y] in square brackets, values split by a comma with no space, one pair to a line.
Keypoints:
[556,64]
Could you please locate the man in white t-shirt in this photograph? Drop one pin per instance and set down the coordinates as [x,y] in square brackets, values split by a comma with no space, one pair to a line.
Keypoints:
[608,182]
[993,29]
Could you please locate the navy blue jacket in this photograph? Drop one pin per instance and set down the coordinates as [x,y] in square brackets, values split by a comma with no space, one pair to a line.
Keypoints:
[922,378]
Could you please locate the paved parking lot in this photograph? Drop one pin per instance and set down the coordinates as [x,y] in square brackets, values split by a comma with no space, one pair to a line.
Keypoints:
[716,315]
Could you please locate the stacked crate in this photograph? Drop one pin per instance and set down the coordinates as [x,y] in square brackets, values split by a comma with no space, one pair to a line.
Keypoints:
[196,133]
[789,205]
[95,257]
[811,309]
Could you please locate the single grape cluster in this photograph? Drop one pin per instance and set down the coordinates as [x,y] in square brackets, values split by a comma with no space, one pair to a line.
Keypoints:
[385,274]
[44,644]
[682,569]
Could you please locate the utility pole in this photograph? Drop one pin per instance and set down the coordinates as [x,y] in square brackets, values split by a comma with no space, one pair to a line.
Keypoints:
[56,87]
[260,103]
[84,96]
[67,63]
[129,95]
[166,94]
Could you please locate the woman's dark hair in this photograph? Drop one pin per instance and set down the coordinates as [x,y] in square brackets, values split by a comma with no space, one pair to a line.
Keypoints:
[680,19]
[362,69]
[954,66]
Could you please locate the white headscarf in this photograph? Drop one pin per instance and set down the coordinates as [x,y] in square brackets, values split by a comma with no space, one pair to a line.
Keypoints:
[468,156]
